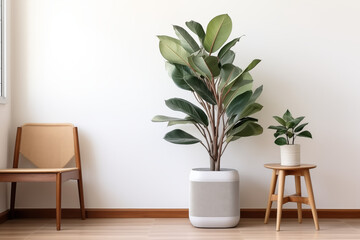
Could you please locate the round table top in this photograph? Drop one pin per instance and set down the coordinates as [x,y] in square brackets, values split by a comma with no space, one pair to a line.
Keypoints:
[278,166]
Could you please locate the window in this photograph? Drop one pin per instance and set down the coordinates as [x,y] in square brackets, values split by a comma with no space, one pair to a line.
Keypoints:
[2,53]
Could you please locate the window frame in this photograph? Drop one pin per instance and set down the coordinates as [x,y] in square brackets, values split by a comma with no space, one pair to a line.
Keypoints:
[3,79]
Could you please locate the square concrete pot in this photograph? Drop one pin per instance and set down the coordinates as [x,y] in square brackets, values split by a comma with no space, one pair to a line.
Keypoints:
[214,198]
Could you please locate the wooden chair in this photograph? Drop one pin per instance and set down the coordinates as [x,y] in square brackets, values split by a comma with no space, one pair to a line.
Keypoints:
[49,147]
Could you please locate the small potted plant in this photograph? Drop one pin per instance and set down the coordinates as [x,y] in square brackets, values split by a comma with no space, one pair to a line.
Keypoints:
[285,136]
[222,114]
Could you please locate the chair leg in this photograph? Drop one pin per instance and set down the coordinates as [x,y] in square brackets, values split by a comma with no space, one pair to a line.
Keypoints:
[81,198]
[311,198]
[280,198]
[58,201]
[271,192]
[298,192]
[12,200]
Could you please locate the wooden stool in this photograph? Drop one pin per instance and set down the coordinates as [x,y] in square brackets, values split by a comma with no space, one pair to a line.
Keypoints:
[297,171]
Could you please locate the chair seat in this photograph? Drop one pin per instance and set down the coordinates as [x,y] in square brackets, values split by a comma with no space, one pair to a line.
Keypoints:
[37,170]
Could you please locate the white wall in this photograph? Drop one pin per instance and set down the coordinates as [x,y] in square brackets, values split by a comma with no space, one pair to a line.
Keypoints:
[97,64]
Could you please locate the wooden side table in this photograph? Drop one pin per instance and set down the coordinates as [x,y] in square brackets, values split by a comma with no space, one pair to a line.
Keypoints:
[280,172]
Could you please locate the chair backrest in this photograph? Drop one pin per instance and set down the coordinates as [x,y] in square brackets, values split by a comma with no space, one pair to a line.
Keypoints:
[48,145]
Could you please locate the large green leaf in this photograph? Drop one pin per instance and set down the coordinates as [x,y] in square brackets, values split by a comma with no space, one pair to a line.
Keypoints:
[227,47]
[186,120]
[182,121]
[251,109]
[279,128]
[245,130]
[179,136]
[252,65]
[213,65]
[171,120]
[227,58]
[237,128]
[287,116]
[245,75]
[246,85]
[228,74]
[161,118]
[301,127]
[181,105]
[305,134]
[280,120]
[235,122]
[196,28]
[200,66]
[217,32]
[172,50]
[238,104]
[279,133]
[178,73]
[280,141]
[231,89]
[256,94]
[201,89]
[295,122]
[186,40]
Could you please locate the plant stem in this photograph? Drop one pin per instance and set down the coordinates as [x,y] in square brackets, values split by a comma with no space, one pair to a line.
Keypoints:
[205,146]
[214,132]
[202,131]
[293,142]
[224,148]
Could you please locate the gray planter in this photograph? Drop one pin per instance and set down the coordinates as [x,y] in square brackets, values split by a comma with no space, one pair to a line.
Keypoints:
[214,198]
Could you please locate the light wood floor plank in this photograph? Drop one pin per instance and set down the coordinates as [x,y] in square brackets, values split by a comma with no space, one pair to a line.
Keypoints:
[175,229]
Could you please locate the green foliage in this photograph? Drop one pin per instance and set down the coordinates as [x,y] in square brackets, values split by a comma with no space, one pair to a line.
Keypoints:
[179,73]
[201,89]
[178,136]
[217,32]
[172,50]
[196,28]
[227,47]
[186,40]
[290,128]
[227,58]
[178,104]
[222,90]
[172,121]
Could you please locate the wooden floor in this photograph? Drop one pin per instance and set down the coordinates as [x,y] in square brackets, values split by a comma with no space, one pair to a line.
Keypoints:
[175,228]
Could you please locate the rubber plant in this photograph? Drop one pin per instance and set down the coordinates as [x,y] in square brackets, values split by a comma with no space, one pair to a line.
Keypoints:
[290,128]
[223,91]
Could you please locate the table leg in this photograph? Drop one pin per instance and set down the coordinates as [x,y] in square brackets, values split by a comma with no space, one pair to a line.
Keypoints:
[280,198]
[298,192]
[271,192]
[311,197]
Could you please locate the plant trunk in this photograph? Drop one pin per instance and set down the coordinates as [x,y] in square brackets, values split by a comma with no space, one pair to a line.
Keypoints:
[215,153]
[212,164]
[217,165]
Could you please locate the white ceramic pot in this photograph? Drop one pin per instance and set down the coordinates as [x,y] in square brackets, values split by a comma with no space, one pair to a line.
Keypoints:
[214,198]
[290,155]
